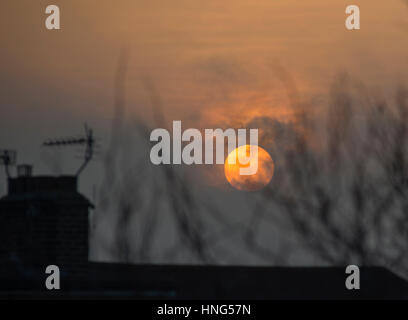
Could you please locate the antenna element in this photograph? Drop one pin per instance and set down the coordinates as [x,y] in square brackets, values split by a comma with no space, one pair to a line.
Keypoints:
[87,140]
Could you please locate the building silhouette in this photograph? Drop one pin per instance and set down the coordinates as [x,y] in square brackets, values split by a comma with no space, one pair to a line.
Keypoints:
[44,221]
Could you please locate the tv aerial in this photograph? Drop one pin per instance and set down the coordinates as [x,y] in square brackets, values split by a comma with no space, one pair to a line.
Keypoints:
[87,140]
[8,158]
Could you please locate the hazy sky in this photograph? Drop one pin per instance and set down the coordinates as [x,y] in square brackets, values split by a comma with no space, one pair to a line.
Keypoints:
[213,62]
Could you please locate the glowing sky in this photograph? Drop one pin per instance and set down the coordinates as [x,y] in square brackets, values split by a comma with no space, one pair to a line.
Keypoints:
[200,54]
[213,62]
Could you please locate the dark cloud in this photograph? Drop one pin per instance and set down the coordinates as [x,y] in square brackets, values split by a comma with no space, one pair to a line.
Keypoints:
[226,70]
[273,134]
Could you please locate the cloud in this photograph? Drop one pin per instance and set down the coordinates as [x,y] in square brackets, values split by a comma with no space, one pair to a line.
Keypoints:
[223,69]
[273,134]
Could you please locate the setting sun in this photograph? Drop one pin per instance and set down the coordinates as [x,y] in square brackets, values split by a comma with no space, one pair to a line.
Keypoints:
[253,182]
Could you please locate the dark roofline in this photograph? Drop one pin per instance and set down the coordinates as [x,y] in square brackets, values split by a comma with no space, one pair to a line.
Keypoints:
[118,281]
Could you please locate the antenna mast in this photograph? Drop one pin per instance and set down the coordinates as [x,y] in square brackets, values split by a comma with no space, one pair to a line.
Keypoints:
[87,140]
[8,158]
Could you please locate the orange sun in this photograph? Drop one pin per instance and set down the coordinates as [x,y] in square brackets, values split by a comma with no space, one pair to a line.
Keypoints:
[253,182]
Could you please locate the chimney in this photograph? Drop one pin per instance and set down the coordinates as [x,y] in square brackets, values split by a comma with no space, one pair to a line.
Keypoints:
[44,221]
